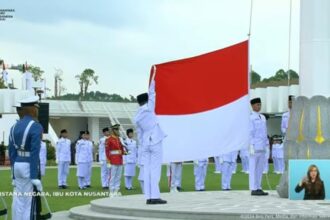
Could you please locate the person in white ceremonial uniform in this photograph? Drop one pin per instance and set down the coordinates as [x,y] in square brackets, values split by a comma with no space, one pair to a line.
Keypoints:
[130,159]
[43,158]
[150,137]
[278,155]
[141,168]
[103,159]
[244,155]
[27,79]
[174,173]
[286,116]
[258,145]
[228,165]
[200,171]
[4,74]
[83,160]
[63,159]
[217,165]
[24,149]
[90,160]
[266,161]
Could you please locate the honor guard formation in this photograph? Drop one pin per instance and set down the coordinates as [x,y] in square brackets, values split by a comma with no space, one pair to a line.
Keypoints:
[120,156]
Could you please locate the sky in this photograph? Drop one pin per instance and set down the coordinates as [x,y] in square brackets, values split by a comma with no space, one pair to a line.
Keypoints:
[121,39]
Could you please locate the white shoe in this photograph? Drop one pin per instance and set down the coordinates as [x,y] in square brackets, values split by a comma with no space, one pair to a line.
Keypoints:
[217,172]
[174,190]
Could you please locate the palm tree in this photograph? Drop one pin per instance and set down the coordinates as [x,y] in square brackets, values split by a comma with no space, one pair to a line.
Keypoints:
[86,79]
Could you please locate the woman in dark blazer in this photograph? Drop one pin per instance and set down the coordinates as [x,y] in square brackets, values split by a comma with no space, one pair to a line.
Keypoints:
[313,185]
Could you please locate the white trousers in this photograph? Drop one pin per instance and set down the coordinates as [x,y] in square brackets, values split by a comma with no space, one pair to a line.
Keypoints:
[104,174]
[227,172]
[279,165]
[245,164]
[63,172]
[89,173]
[140,177]
[200,171]
[217,164]
[256,167]
[176,174]
[42,169]
[152,163]
[21,207]
[129,173]
[115,177]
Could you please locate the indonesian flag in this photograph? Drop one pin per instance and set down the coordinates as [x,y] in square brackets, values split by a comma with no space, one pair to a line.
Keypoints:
[202,104]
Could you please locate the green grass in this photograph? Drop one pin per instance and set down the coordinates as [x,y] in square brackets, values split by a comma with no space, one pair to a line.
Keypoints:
[239,182]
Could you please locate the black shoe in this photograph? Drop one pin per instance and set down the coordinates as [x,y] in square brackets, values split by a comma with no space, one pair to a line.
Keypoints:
[148,201]
[157,201]
[262,193]
[105,187]
[60,187]
[128,188]
[88,186]
[64,187]
[179,189]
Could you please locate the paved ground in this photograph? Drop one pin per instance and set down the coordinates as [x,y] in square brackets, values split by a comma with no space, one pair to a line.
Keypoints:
[211,204]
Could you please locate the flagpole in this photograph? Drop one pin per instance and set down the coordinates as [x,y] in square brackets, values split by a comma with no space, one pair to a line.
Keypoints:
[249,38]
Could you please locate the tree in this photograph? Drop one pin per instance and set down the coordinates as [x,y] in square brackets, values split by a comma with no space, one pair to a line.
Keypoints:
[36,72]
[86,79]
[255,77]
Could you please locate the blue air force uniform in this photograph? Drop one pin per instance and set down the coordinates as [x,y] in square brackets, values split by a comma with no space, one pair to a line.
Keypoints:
[24,149]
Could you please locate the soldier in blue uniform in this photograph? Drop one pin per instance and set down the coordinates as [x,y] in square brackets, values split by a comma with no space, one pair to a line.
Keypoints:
[24,147]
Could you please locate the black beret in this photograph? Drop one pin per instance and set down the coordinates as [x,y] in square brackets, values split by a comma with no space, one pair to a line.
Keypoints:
[105,129]
[290,98]
[130,130]
[142,98]
[64,131]
[255,101]
[86,132]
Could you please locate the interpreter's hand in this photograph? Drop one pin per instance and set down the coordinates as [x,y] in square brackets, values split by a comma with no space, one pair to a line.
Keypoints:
[37,184]
[303,181]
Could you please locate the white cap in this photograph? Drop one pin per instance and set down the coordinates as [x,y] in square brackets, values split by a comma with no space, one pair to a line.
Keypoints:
[30,101]
[17,105]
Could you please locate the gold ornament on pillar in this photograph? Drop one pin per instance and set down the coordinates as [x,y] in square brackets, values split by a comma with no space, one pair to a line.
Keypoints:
[301,127]
[319,135]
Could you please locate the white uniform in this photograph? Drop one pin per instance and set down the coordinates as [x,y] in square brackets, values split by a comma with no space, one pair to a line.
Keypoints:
[285,122]
[244,155]
[82,161]
[259,142]
[217,164]
[266,162]
[150,137]
[27,81]
[63,157]
[103,162]
[200,170]
[235,163]
[130,162]
[90,163]
[5,77]
[141,168]
[228,166]
[174,173]
[43,158]
[278,158]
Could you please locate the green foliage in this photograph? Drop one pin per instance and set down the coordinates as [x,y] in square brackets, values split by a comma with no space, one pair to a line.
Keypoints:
[281,75]
[86,79]
[50,151]
[2,84]
[95,96]
[36,71]
[255,77]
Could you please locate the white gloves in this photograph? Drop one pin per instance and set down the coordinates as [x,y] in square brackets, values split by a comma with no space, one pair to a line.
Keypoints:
[251,150]
[101,162]
[221,160]
[109,165]
[37,184]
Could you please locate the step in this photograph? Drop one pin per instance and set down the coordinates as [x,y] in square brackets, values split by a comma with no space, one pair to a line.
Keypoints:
[85,213]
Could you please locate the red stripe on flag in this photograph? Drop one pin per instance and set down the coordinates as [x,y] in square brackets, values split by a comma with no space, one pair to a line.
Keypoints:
[202,83]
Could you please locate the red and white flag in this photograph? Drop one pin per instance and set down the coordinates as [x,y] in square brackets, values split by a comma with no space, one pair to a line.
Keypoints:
[202,104]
